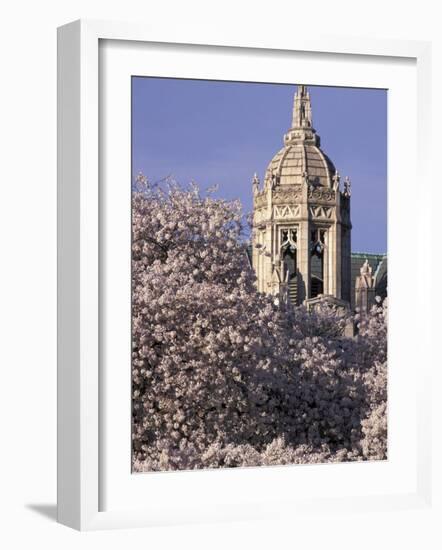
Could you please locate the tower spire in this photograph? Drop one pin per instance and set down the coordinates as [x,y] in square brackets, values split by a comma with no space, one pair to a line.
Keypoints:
[302,126]
[302,109]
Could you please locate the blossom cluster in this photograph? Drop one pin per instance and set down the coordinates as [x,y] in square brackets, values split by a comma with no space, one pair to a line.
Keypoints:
[223,376]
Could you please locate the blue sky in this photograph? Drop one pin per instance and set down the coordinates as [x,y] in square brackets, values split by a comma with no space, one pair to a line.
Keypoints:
[214,132]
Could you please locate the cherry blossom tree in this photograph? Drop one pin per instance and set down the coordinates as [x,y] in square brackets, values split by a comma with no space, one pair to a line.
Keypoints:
[221,374]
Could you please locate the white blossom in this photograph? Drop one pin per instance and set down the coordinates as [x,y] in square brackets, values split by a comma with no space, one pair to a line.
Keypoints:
[221,375]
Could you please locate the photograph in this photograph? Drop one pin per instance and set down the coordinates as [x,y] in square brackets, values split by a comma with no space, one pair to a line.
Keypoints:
[213,336]
[258,274]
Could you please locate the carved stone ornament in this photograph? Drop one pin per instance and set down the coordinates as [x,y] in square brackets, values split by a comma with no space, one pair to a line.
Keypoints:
[326,195]
[286,196]
[320,212]
[286,211]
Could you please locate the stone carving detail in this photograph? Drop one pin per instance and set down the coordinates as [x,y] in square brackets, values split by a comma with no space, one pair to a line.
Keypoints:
[260,200]
[286,196]
[365,289]
[260,215]
[321,212]
[327,195]
[286,211]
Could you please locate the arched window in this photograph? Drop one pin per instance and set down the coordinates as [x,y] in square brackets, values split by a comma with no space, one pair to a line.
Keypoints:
[289,258]
[289,251]
[317,244]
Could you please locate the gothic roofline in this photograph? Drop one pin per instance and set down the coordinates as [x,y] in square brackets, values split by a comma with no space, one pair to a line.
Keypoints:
[369,254]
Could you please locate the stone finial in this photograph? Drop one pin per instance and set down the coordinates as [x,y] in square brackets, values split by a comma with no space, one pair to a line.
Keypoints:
[336,179]
[274,180]
[302,130]
[302,109]
[347,187]
[305,178]
[255,183]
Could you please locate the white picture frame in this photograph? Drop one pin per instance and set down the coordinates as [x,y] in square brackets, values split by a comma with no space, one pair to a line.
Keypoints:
[82,469]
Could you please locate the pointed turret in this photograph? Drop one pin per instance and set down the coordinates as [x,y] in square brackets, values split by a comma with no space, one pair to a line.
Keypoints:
[302,109]
[255,184]
[302,124]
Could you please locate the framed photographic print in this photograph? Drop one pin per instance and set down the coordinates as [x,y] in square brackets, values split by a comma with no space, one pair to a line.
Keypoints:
[237,315]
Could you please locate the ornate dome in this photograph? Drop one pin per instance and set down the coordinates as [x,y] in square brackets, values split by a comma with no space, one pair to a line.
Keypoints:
[301,158]
[293,162]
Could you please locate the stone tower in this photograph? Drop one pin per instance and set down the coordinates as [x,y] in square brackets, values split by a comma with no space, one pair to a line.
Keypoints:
[301,218]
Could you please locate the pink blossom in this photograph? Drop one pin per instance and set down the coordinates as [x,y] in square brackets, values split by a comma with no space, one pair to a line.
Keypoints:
[221,375]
